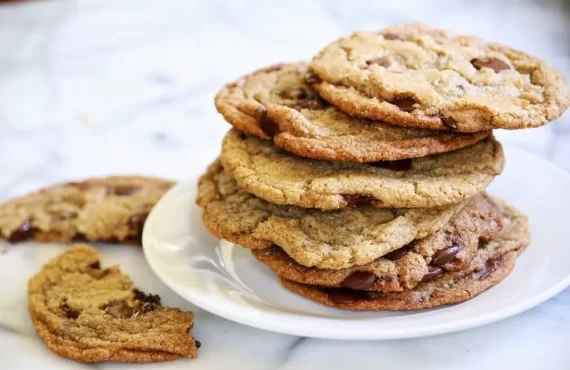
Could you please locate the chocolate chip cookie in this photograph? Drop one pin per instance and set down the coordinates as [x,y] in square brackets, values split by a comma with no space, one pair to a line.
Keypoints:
[418,76]
[450,249]
[110,209]
[493,262]
[279,177]
[335,239]
[277,103]
[92,314]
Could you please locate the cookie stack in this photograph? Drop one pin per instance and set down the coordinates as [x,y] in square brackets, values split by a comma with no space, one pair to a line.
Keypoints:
[360,178]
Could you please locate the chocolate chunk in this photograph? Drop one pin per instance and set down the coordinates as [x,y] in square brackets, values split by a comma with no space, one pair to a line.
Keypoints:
[399,165]
[79,237]
[341,295]
[136,223]
[119,309]
[313,102]
[69,312]
[122,190]
[495,64]
[433,271]
[148,298]
[449,122]
[242,135]
[312,78]
[405,104]
[444,256]
[95,265]
[267,125]
[198,344]
[359,280]
[397,254]
[488,267]
[353,200]
[394,36]
[24,232]
[382,61]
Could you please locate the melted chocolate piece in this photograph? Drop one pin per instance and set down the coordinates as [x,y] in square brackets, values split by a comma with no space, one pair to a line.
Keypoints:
[136,223]
[495,64]
[198,343]
[433,271]
[353,200]
[488,267]
[444,256]
[148,298]
[399,165]
[397,254]
[24,232]
[342,296]
[69,312]
[449,122]
[95,265]
[359,280]
[267,125]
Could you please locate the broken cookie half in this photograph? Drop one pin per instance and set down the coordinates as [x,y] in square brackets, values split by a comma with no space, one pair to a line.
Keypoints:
[93,314]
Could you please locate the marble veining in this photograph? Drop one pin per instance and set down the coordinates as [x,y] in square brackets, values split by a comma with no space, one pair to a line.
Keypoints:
[91,88]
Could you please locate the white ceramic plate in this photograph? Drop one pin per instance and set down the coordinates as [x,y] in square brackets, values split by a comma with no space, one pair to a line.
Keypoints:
[226,280]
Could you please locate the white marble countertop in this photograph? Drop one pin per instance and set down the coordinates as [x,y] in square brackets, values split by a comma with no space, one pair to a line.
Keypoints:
[98,87]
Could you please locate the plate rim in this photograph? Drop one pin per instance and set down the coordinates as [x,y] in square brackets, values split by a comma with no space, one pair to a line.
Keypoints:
[254,318]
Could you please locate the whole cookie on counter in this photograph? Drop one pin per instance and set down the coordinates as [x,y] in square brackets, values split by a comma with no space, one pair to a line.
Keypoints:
[92,314]
[277,103]
[110,209]
[450,249]
[418,76]
[282,178]
[493,262]
[335,239]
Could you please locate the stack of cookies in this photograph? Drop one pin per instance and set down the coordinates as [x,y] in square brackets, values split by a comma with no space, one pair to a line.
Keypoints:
[359,178]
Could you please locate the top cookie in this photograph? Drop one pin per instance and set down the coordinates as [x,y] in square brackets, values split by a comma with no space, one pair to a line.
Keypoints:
[277,102]
[417,76]
[110,209]
[282,178]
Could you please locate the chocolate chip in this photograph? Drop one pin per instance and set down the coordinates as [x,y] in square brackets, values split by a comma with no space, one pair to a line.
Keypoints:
[444,256]
[353,200]
[359,280]
[122,190]
[198,344]
[394,36]
[341,296]
[95,265]
[24,232]
[399,165]
[136,223]
[312,78]
[149,298]
[119,309]
[397,254]
[267,125]
[405,104]
[433,271]
[488,267]
[495,64]
[449,122]
[382,61]
[313,102]
[69,312]
[242,135]
[79,237]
